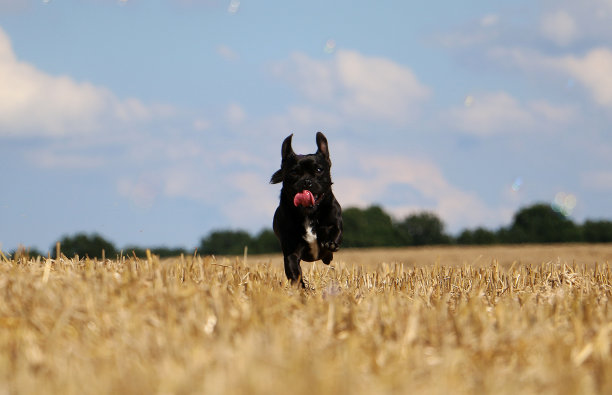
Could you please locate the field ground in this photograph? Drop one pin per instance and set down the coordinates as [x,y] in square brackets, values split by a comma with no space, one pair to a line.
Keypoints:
[503,320]
[478,256]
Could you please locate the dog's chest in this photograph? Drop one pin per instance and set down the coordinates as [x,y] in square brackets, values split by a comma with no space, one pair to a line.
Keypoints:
[310,236]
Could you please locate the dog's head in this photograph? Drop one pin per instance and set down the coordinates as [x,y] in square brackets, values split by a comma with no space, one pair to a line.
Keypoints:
[306,178]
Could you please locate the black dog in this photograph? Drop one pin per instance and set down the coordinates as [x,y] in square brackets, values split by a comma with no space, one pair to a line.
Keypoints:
[308,220]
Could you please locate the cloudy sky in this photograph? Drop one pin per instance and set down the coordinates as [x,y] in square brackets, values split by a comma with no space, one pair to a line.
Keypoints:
[154,122]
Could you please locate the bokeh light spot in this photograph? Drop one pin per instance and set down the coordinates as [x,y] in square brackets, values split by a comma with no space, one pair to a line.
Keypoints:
[330,46]
[233,6]
[564,203]
[517,184]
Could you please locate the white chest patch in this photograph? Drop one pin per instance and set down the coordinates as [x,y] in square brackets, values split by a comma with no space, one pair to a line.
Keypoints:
[311,238]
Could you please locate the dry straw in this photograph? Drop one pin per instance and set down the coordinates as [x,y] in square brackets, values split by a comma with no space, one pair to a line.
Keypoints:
[219,326]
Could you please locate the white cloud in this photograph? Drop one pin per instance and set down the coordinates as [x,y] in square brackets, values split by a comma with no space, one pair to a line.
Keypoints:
[357,86]
[68,160]
[476,33]
[235,114]
[458,208]
[253,202]
[567,21]
[378,87]
[187,168]
[498,112]
[559,27]
[489,20]
[227,53]
[201,124]
[592,70]
[142,192]
[562,22]
[313,78]
[489,114]
[35,103]
[461,40]
[549,113]
[244,197]
[184,180]
[302,117]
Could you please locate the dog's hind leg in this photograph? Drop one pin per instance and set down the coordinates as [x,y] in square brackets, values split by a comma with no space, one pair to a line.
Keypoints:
[293,269]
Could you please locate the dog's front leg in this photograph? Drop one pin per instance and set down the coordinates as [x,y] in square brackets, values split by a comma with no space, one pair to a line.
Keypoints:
[293,270]
[333,237]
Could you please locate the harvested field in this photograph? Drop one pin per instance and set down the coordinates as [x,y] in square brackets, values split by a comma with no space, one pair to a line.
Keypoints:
[501,320]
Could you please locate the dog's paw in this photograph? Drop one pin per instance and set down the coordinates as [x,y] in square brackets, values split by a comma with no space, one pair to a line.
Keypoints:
[331,246]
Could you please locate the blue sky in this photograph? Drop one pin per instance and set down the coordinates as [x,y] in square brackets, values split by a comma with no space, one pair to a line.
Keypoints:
[155,122]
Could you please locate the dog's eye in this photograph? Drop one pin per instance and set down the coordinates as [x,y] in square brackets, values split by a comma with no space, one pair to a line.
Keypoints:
[319,170]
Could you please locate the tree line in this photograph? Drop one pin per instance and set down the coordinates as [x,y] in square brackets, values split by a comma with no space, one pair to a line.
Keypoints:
[539,223]
[369,227]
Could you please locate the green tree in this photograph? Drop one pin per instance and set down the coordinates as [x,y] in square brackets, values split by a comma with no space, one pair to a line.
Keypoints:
[423,229]
[162,252]
[539,223]
[370,227]
[165,252]
[264,243]
[83,245]
[140,252]
[25,252]
[597,231]
[225,242]
[478,236]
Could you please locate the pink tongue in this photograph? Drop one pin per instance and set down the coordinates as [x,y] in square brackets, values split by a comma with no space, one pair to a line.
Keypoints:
[304,198]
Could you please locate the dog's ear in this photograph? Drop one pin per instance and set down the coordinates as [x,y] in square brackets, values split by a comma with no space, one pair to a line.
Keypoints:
[322,147]
[277,177]
[287,150]
[286,153]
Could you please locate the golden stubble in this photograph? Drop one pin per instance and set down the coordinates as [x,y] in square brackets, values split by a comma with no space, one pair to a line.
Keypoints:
[384,321]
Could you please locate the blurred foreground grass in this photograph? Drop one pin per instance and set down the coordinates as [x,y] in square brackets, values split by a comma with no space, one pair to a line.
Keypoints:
[223,326]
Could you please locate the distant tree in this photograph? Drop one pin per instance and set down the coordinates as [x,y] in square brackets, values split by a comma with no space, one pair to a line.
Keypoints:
[370,227]
[225,242]
[597,231]
[478,236]
[25,252]
[140,252]
[539,223]
[165,252]
[264,243]
[162,252]
[423,229]
[83,245]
